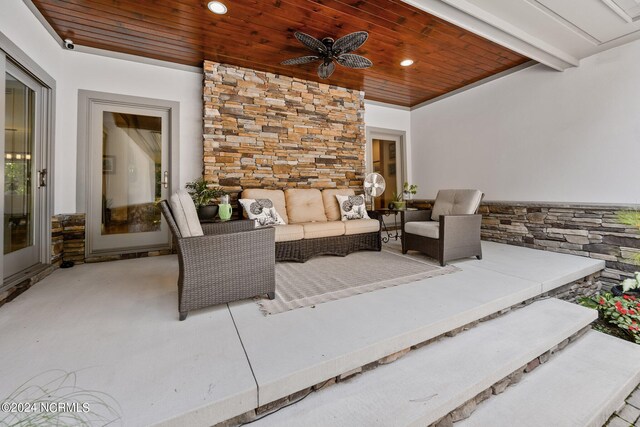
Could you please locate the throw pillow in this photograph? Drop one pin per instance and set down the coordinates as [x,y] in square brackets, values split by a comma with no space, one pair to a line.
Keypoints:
[262,211]
[352,207]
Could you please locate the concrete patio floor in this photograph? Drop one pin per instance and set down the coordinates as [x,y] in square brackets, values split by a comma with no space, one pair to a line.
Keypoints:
[115,325]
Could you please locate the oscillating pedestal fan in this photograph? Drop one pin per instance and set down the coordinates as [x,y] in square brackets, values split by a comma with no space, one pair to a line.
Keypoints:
[374,186]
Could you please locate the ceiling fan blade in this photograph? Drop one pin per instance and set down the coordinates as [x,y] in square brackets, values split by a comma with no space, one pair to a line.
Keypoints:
[301,60]
[350,42]
[326,69]
[311,42]
[353,61]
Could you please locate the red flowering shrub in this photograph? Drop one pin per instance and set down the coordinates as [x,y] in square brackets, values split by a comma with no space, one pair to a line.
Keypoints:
[623,312]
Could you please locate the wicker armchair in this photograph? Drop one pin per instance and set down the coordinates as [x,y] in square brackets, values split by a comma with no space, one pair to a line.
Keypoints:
[450,231]
[232,261]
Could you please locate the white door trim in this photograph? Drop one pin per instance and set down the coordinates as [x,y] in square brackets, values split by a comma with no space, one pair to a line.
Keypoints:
[372,133]
[10,51]
[86,101]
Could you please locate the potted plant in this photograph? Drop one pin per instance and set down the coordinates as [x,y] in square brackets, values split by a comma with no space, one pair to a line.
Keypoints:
[409,190]
[203,194]
[397,202]
[628,286]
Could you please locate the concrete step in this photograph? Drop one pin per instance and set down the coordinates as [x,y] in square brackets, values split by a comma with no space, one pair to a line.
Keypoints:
[430,382]
[582,386]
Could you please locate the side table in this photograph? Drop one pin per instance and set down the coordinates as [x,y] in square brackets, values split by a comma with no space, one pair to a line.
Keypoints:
[381,214]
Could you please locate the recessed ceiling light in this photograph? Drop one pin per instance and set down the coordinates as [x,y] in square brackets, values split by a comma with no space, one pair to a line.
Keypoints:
[217,7]
[406,62]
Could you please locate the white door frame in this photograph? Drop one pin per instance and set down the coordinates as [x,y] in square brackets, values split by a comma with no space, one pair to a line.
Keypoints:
[9,51]
[86,101]
[389,134]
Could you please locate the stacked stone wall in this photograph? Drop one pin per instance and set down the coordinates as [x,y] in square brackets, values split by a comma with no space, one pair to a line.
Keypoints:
[593,231]
[263,130]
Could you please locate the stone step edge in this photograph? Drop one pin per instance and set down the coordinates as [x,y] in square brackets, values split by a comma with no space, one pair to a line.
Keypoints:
[500,385]
[629,412]
[569,292]
[466,409]
[590,363]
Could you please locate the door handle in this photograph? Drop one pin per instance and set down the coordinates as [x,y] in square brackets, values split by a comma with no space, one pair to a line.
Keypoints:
[42,178]
[165,179]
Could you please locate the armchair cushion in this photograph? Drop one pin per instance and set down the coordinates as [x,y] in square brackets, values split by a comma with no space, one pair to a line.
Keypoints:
[429,229]
[185,214]
[331,205]
[304,205]
[456,202]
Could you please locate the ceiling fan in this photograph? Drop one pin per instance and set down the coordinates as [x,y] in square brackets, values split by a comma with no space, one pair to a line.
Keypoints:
[328,50]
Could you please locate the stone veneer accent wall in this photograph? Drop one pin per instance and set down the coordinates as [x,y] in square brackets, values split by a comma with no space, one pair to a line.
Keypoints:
[586,230]
[264,130]
[68,237]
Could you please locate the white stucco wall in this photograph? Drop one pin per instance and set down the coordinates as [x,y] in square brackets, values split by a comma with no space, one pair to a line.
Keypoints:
[103,74]
[538,134]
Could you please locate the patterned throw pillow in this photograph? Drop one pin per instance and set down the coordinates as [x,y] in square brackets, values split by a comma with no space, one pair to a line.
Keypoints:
[352,207]
[262,212]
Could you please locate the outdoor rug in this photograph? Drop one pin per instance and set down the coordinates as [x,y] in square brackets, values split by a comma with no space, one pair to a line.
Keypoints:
[328,278]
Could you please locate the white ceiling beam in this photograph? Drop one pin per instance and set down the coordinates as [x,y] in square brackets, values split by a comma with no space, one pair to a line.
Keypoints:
[476,20]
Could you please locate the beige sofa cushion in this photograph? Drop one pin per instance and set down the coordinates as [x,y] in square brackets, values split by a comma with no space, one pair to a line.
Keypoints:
[331,206]
[185,214]
[359,226]
[276,197]
[456,202]
[423,228]
[304,205]
[289,232]
[314,230]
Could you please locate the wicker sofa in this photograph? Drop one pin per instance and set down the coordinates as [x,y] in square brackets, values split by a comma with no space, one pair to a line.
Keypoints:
[313,224]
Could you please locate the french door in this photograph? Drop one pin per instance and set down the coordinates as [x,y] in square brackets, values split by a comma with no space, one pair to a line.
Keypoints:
[385,155]
[129,173]
[24,145]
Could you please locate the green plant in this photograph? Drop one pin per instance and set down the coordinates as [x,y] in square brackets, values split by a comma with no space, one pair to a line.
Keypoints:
[397,197]
[203,192]
[622,312]
[410,189]
[631,218]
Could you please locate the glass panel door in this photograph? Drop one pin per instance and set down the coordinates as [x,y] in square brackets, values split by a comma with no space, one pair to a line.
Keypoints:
[129,178]
[385,154]
[130,193]
[20,220]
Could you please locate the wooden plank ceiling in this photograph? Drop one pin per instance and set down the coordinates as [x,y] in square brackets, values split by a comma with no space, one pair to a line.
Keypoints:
[258,34]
